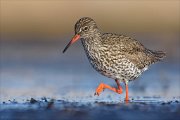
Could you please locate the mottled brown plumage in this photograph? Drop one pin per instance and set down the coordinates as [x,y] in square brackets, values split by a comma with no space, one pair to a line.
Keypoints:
[116,56]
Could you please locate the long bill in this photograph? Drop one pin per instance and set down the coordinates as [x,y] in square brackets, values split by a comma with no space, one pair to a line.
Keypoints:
[74,39]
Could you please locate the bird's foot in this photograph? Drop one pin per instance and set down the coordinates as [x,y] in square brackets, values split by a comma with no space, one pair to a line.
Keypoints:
[99,89]
[126,100]
[102,86]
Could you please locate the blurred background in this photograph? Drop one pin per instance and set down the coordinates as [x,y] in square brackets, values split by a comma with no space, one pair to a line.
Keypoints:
[34,33]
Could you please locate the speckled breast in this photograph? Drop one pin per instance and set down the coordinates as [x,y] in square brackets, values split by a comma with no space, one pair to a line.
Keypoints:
[111,64]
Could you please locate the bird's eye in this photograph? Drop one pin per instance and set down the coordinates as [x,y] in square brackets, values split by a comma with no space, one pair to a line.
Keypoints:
[85,28]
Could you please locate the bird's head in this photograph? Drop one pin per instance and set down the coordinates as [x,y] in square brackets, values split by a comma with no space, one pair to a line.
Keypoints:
[84,28]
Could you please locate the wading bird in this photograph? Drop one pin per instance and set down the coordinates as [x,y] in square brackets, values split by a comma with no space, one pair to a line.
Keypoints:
[115,56]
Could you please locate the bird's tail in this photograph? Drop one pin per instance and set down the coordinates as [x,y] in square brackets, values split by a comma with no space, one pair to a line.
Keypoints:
[157,55]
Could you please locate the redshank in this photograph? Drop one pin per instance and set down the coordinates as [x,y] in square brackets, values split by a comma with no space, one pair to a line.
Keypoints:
[115,56]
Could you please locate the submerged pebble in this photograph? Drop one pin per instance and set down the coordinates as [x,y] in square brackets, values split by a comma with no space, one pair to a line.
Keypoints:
[32,101]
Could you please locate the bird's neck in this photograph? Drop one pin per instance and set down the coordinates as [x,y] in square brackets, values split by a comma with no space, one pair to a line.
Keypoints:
[92,46]
[92,41]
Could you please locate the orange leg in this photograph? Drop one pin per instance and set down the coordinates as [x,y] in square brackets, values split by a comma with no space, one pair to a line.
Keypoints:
[127,97]
[103,86]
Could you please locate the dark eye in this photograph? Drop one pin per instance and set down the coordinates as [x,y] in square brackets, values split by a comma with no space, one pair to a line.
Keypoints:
[85,28]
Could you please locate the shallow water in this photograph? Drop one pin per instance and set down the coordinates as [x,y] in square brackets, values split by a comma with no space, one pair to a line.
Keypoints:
[46,108]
